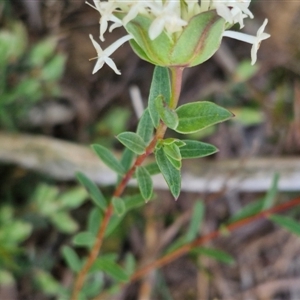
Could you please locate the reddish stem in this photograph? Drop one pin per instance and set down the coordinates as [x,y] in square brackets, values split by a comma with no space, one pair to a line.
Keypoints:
[176,78]
[211,236]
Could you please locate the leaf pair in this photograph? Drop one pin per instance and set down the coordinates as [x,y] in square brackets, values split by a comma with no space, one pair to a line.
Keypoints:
[169,155]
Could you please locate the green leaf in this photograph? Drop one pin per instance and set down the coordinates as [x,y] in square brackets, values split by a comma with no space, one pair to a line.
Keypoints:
[110,268]
[170,141]
[93,190]
[176,163]
[269,199]
[133,201]
[195,149]
[127,158]
[71,258]
[130,264]
[155,51]
[172,151]
[245,71]
[86,239]
[170,173]
[168,115]
[119,206]
[145,183]
[152,168]
[179,242]
[132,141]
[42,51]
[200,39]
[108,158]
[94,220]
[215,254]
[15,232]
[113,223]
[196,220]
[93,285]
[64,222]
[73,198]
[145,127]
[248,116]
[47,283]
[160,85]
[54,69]
[288,223]
[199,115]
[250,209]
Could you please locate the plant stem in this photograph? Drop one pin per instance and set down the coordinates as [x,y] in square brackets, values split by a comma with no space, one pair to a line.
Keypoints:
[211,236]
[176,79]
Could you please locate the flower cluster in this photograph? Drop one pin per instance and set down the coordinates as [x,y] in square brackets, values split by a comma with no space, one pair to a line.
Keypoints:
[170,18]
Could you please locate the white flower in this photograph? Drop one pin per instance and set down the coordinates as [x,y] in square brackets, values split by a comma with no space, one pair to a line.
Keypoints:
[233,11]
[134,10]
[103,55]
[106,9]
[254,40]
[167,15]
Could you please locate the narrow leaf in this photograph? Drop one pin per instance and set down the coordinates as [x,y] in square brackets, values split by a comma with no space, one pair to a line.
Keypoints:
[127,158]
[249,210]
[196,220]
[130,264]
[288,223]
[168,116]
[64,222]
[160,85]
[170,173]
[169,141]
[94,220]
[107,157]
[86,239]
[271,193]
[110,268]
[199,115]
[132,141]
[215,254]
[145,127]
[145,183]
[176,163]
[93,190]
[195,149]
[172,151]
[119,205]
[73,198]
[133,201]
[152,168]
[71,258]
[113,224]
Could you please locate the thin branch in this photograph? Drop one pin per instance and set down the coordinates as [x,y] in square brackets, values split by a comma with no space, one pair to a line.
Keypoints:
[109,211]
[211,236]
[176,77]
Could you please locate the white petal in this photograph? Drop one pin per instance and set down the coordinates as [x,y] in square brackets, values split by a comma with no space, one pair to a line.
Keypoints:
[113,47]
[156,28]
[111,63]
[254,53]
[240,36]
[99,64]
[96,45]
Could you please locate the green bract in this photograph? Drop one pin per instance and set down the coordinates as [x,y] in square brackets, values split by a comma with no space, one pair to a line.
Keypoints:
[197,42]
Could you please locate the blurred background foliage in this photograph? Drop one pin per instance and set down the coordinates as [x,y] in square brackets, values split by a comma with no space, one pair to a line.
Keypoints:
[46,88]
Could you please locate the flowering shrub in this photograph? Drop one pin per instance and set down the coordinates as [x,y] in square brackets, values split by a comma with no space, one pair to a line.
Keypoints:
[172,35]
[172,32]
